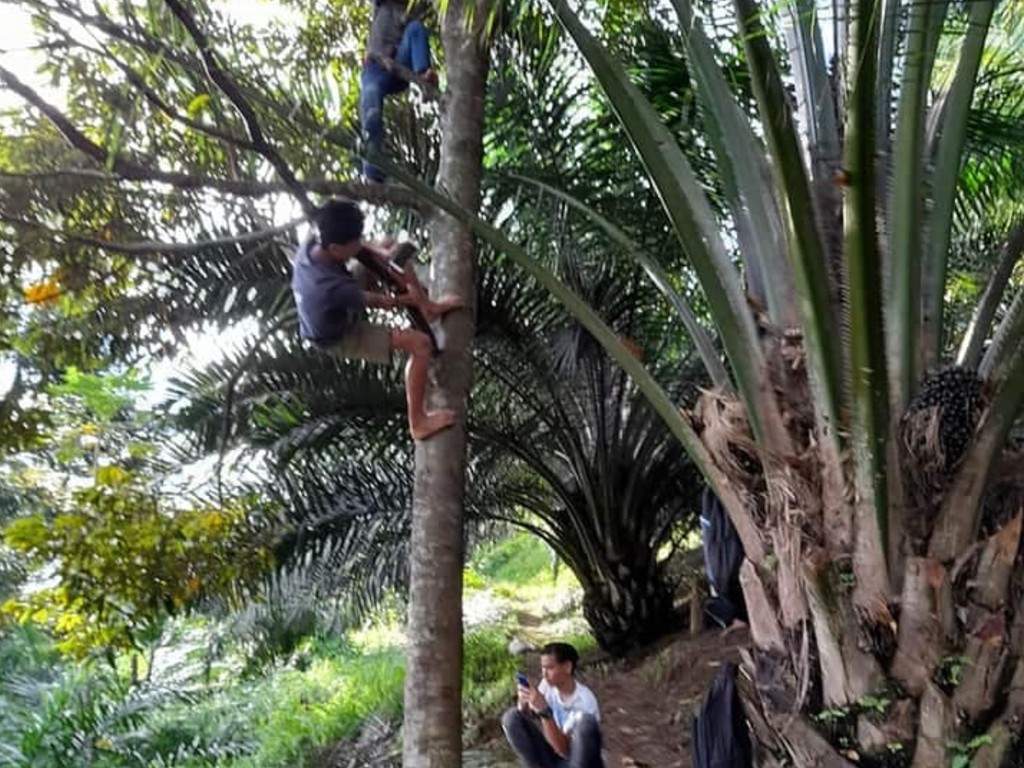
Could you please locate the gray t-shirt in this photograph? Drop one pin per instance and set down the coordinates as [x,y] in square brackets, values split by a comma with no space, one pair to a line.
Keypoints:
[327,296]
[386,28]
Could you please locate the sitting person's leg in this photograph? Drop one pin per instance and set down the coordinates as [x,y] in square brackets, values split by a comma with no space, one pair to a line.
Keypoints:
[585,744]
[527,741]
[414,50]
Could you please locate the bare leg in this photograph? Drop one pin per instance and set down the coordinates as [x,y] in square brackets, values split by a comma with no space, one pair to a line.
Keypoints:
[432,310]
[422,424]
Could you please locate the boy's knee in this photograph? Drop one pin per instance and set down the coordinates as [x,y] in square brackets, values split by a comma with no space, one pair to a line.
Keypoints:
[421,343]
[412,341]
[512,720]
[587,726]
[415,28]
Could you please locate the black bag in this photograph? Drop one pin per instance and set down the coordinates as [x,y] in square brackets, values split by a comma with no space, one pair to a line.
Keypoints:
[721,738]
[723,556]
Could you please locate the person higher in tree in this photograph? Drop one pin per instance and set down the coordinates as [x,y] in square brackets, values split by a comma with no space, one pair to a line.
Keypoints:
[398,37]
[332,298]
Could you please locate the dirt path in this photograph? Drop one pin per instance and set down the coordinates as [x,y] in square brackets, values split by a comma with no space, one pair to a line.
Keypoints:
[647,704]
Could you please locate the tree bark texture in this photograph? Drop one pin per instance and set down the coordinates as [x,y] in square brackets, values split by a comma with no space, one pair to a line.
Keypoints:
[927,674]
[432,734]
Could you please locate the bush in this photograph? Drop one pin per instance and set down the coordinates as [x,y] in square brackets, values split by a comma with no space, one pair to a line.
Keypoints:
[90,716]
[487,660]
[518,559]
[295,711]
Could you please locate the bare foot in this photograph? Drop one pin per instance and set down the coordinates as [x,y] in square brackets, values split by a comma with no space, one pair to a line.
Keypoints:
[735,626]
[432,423]
[429,77]
[435,309]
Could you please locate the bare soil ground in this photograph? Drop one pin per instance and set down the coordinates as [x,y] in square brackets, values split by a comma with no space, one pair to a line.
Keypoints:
[647,702]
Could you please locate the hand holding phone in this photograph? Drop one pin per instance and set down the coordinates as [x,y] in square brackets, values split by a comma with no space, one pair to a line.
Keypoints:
[524,681]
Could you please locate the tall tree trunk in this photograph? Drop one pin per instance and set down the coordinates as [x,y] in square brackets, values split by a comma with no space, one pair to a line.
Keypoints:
[432,736]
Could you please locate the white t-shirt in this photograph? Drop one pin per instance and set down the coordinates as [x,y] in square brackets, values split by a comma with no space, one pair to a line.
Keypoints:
[567,711]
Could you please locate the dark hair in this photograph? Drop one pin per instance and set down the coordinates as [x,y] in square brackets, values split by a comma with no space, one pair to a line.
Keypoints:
[562,652]
[338,221]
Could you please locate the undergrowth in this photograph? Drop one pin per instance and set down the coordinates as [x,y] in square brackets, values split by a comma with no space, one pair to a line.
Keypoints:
[204,712]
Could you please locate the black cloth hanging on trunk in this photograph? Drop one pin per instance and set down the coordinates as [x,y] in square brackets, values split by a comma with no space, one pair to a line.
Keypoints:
[721,738]
[723,556]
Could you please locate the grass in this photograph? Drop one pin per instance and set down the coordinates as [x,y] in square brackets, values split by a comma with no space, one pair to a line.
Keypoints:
[520,559]
[331,688]
[296,711]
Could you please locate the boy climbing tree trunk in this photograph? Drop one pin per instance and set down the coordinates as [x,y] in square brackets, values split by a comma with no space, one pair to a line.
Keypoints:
[432,735]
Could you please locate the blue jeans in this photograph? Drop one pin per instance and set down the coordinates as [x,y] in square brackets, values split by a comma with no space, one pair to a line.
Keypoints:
[413,53]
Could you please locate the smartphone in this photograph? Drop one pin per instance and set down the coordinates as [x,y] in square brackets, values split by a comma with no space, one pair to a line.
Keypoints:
[524,681]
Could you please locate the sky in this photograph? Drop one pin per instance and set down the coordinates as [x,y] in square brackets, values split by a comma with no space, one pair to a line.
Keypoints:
[15,34]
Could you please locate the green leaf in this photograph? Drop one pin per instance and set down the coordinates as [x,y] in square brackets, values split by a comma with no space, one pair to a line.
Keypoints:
[112,477]
[606,337]
[746,177]
[870,407]
[694,222]
[948,160]
[806,244]
[197,105]
[699,335]
[906,204]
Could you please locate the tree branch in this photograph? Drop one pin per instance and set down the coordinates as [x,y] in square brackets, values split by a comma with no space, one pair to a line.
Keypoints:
[152,247]
[154,98]
[126,169]
[375,194]
[235,96]
[129,170]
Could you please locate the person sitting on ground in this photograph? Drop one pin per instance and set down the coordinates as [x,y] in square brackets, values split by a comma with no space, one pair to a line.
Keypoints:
[332,304]
[394,36]
[557,723]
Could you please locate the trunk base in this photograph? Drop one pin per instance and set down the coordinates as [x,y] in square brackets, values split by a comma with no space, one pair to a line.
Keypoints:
[624,617]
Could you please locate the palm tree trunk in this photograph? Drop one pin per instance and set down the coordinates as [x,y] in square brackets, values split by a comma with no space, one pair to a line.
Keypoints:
[629,608]
[432,735]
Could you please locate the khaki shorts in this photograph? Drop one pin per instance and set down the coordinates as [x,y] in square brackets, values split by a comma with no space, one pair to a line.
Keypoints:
[365,341]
